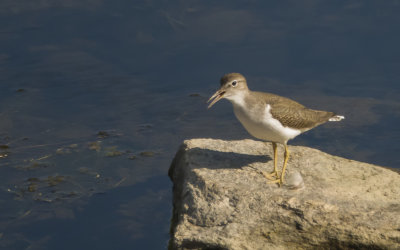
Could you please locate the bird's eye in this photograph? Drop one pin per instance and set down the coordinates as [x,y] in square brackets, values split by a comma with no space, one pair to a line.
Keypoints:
[234,83]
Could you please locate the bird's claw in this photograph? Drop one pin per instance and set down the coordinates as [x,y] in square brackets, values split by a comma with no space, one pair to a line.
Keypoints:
[273,176]
[278,181]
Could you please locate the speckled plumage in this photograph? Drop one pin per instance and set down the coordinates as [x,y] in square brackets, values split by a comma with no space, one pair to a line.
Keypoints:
[292,114]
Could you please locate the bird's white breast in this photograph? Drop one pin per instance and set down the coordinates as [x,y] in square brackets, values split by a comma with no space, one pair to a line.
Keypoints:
[258,121]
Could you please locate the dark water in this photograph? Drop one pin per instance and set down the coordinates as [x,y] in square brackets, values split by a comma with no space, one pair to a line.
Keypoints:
[96,96]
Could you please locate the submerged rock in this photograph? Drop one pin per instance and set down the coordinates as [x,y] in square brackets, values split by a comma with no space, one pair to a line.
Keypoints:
[222,201]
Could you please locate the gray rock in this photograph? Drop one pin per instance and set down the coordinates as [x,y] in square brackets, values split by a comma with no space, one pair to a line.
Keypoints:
[222,201]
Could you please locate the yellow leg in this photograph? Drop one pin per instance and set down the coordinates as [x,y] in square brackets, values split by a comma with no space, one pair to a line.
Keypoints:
[281,179]
[274,174]
[285,163]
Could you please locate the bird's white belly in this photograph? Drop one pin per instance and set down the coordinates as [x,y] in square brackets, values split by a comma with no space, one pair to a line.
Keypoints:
[263,126]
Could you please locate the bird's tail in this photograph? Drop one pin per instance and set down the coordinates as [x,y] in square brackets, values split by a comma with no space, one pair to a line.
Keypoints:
[336,118]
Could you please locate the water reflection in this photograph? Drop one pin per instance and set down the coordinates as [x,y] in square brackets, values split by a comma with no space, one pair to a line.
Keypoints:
[96,96]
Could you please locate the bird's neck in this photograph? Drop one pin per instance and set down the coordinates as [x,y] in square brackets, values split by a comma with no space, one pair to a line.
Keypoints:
[239,98]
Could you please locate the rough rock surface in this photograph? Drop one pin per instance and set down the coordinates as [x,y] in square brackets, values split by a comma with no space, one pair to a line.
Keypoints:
[222,201]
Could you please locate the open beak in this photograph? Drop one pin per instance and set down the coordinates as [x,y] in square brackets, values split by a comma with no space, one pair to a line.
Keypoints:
[217,96]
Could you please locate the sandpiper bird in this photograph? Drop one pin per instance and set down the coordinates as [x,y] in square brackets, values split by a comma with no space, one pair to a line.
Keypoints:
[269,117]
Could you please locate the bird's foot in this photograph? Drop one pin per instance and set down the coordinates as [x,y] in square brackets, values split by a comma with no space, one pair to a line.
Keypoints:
[278,181]
[273,176]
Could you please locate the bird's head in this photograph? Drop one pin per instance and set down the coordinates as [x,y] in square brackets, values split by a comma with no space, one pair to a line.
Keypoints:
[233,85]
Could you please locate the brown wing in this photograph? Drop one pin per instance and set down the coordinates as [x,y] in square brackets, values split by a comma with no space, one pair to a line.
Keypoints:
[292,114]
[299,117]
